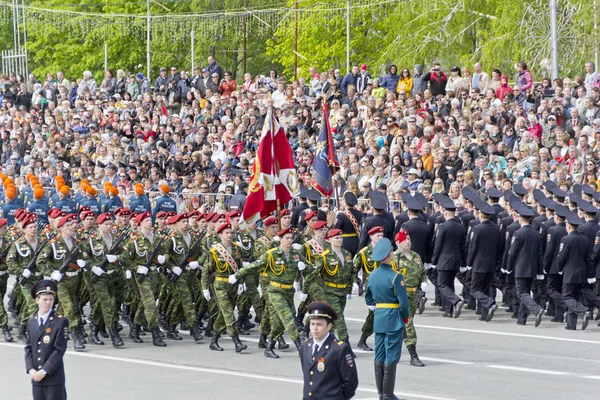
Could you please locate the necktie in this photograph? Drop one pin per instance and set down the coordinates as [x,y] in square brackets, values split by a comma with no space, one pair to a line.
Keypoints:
[41,321]
[316,350]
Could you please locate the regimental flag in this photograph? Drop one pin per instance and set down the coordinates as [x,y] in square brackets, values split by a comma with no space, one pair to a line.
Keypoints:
[274,176]
[325,162]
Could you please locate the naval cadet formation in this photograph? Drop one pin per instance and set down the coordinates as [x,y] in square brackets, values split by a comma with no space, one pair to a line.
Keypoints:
[160,272]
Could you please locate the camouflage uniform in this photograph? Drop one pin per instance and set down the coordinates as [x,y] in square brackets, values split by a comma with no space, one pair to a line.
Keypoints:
[4,274]
[19,255]
[312,250]
[250,297]
[411,267]
[334,276]
[282,271]
[261,245]
[362,261]
[211,305]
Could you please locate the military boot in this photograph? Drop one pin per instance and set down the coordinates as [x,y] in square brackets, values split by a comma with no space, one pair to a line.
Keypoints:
[196,333]
[239,346]
[389,382]
[214,343]
[134,334]
[414,357]
[126,314]
[21,333]
[379,378]
[262,342]
[240,325]
[115,338]
[269,352]
[12,304]
[94,336]
[184,325]
[156,339]
[78,340]
[362,343]
[7,336]
[281,344]
[102,331]
[297,343]
[247,324]
[300,321]
[172,333]
[208,332]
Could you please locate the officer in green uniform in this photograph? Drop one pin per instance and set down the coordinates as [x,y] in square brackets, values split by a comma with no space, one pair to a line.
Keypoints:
[51,258]
[134,259]
[197,231]
[225,258]
[100,279]
[4,243]
[363,262]
[411,267]
[19,256]
[386,296]
[284,265]
[123,290]
[175,249]
[333,272]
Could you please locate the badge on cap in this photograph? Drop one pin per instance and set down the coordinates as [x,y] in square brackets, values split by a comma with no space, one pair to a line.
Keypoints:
[46,339]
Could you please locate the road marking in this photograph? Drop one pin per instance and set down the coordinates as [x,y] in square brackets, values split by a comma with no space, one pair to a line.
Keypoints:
[592,377]
[447,328]
[532,370]
[220,371]
[443,360]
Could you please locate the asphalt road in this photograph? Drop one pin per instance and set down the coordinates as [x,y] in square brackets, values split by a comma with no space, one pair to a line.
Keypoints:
[465,359]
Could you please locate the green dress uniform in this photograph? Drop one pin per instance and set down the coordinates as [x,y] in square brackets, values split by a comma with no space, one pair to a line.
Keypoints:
[124,290]
[282,270]
[209,305]
[411,268]
[334,275]
[312,250]
[261,246]
[250,297]
[19,255]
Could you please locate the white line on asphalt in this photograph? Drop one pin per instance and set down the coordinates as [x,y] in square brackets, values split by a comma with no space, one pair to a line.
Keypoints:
[533,370]
[444,360]
[220,371]
[447,328]
[592,377]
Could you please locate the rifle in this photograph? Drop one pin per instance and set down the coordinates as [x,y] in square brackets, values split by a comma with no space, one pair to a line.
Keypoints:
[299,234]
[31,262]
[163,235]
[5,252]
[114,247]
[182,264]
[69,259]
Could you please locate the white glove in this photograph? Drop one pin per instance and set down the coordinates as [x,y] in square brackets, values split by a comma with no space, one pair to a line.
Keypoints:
[424,286]
[142,270]
[469,268]
[232,279]
[463,269]
[277,239]
[540,277]
[26,273]
[591,281]
[161,259]
[503,270]
[296,246]
[193,265]
[301,266]
[56,276]
[433,266]
[349,296]
[372,308]
[177,271]
[303,296]
[427,265]
[97,270]
[509,272]
[355,288]
[206,294]
[81,263]
[240,290]
[245,264]
[296,286]
[560,272]
[128,274]
[111,258]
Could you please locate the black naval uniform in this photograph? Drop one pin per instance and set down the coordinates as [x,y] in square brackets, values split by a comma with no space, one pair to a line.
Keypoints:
[590,229]
[296,210]
[555,281]
[44,349]
[349,233]
[371,222]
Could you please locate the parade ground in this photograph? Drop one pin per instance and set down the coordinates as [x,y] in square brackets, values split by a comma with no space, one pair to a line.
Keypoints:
[465,359]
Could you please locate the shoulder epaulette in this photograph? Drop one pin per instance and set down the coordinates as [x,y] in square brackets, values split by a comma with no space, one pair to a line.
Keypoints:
[341,342]
[236,244]
[363,249]
[323,254]
[58,316]
[271,250]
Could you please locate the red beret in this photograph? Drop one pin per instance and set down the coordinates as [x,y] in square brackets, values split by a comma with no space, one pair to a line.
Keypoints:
[195,214]
[20,213]
[122,210]
[334,232]
[401,236]
[209,216]
[86,214]
[270,221]
[29,219]
[319,225]
[285,231]
[142,216]
[3,221]
[285,211]
[134,215]
[376,229]
[65,219]
[171,213]
[309,215]
[224,226]
[84,208]
[217,217]
[176,218]
[234,214]
[53,212]
[103,218]
[161,215]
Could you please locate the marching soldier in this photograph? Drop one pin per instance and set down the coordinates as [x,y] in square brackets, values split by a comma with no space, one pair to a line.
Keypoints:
[297,210]
[313,205]
[379,204]
[284,265]
[349,222]
[410,266]
[589,228]
[4,247]
[550,261]
[61,249]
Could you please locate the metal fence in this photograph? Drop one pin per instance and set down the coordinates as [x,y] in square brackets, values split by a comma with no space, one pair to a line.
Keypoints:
[15,61]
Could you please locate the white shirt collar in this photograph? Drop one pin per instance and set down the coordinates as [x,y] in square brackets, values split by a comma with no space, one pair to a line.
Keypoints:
[320,344]
[45,316]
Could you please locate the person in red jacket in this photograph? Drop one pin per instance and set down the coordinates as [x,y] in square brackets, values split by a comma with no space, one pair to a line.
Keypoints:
[227,85]
[504,88]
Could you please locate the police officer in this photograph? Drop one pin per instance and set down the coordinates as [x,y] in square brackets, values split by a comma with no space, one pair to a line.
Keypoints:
[485,249]
[349,222]
[574,263]
[386,297]
[327,364]
[47,334]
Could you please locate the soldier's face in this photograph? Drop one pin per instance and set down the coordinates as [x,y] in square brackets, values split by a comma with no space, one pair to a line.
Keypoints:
[146,223]
[405,245]
[45,302]
[376,238]
[89,222]
[105,227]
[320,233]
[336,241]
[184,225]
[226,235]
[286,242]
[285,220]
[319,328]
[31,229]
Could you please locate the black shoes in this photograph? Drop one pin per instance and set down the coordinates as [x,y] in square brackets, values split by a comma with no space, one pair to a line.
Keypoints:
[281,344]
[134,334]
[379,378]
[78,340]
[115,338]
[196,333]
[173,334]
[156,339]
[297,343]
[239,346]
[538,317]
[362,343]
[7,336]
[389,382]
[457,309]
[214,343]
[491,311]
[586,320]
[414,357]
[269,352]
[421,306]
[94,336]
[262,342]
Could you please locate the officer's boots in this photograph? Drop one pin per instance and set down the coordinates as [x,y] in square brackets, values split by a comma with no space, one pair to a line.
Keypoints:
[94,336]
[196,333]
[300,321]
[362,343]
[379,378]
[389,382]
[126,314]
[281,344]
[7,336]
[214,343]
[156,339]
[78,340]
[269,352]
[414,357]
[134,333]
[239,346]
[262,342]
[114,337]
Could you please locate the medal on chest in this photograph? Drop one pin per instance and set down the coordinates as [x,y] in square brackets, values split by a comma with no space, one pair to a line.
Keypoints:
[321,365]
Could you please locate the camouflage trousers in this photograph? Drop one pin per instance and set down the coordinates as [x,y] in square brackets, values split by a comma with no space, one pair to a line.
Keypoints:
[337,301]
[226,296]
[410,339]
[282,315]
[68,299]
[120,289]
[3,313]
[102,294]
[146,312]
[268,310]
[28,304]
[250,297]
[182,304]
[367,327]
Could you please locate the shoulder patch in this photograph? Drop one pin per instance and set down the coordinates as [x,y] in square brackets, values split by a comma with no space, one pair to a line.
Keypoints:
[350,360]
